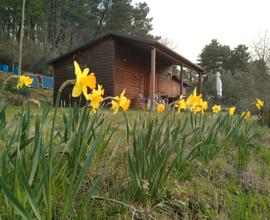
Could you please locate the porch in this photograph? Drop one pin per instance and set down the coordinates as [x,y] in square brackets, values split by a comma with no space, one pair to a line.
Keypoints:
[147,72]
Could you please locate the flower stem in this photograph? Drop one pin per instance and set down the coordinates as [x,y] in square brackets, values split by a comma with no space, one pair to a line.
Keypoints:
[66,83]
[5,82]
[33,101]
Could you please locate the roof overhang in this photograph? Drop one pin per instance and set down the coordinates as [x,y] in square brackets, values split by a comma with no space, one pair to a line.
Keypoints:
[143,42]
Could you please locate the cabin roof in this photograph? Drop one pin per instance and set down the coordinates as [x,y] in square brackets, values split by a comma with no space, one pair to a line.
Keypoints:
[139,42]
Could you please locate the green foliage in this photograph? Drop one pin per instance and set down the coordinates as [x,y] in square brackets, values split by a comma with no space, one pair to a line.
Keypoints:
[264,115]
[245,205]
[243,135]
[52,161]
[33,171]
[215,57]
[242,80]
[239,88]
[207,138]
[54,26]
[154,143]
[239,58]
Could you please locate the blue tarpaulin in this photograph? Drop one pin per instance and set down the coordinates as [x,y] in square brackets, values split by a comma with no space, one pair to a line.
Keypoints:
[5,68]
[47,82]
[15,70]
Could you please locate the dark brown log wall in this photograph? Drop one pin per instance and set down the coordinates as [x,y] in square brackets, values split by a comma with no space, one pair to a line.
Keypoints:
[166,85]
[99,58]
[132,71]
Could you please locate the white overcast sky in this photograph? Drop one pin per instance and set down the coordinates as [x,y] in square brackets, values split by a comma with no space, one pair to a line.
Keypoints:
[191,24]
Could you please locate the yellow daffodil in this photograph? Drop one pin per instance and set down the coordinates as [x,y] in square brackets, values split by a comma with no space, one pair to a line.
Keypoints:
[121,101]
[205,105]
[259,104]
[24,81]
[160,108]
[96,97]
[198,108]
[231,111]
[216,108]
[246,115]
[181,105]
[83,81]
[195,102]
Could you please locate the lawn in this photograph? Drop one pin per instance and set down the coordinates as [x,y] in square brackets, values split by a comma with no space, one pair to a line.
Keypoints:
[138,165]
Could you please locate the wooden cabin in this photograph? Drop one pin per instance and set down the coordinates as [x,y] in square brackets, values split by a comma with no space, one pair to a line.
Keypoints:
[142,66]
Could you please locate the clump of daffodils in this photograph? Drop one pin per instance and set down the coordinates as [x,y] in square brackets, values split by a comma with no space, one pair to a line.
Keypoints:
[120,102]
[194,103]
[95,98]
[85,82]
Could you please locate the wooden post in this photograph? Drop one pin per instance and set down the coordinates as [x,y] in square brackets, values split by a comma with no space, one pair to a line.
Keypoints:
[181,78]
[21,39]
[153,77]
[199,83]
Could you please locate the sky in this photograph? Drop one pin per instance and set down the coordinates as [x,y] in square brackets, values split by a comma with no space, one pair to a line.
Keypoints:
[191,24]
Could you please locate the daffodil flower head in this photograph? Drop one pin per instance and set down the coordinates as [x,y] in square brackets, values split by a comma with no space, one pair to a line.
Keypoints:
[205,105]
[259,104]
[231,111]
[216,108]
[24,81]
[181,105]
[83,81]
[160,108]
[96,97]
[246,115]
[195,102]
[115,106]
[120,102]
[197,108]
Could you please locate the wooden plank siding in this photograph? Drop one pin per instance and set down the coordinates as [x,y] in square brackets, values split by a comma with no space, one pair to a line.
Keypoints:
[132,72]
[117,65]
[99,58]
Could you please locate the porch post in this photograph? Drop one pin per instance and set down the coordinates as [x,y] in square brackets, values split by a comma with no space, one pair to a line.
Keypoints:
[181,78]
[200,83]
[153,77]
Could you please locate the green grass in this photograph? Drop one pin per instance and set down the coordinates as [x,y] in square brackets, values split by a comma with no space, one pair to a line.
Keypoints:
[206,175]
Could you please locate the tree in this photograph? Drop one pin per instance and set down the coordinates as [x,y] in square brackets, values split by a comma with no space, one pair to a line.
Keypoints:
[59,25]
[239,58]
[215,56]
[141,24]
[261,48]
[115,22]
